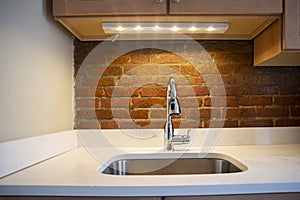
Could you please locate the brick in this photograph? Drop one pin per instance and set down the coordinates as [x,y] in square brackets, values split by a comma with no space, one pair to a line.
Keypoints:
[229,91]
[134,80]
[145,69]
[259,90]
[87,103]
[255,100]
[244,69]
[88,92]
[136,124]
[122,60]
[201,90]
[256,123]
[272,112]
[104,114]
[140,58]
[230,123]
[220,123]
[295,111]
[225,69]
[202,113]
[139,114]
[120,102]
[166,58]
[95,71]
[196,80]
[115,102]
[85,113]
[227,46]
[153,91]
[249,80]
[100,92]
[212,79]
[190,123]
[240,112]
[188,69]
[121,92]
[271,79]
[91,81]
[158,113]
[233,79]
[108,124]
[86,124]
[194,91]
[170,69]
[218,102]
[229,58]
[113,71]
[289,90]
[162,80]
[121,114]
[287,100]
[207,68]
[190,102]
[287,122]
[147,102]
[106,81]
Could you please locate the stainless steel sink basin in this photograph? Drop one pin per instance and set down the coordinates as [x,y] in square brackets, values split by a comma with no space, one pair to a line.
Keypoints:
[186,164]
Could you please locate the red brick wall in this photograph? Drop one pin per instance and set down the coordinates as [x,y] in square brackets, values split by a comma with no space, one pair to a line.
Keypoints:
[256,96]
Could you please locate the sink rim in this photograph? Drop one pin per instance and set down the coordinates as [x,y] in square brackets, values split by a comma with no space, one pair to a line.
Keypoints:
[172,155]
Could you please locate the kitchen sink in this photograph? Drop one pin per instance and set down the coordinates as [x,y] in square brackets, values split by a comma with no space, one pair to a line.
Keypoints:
[184,165]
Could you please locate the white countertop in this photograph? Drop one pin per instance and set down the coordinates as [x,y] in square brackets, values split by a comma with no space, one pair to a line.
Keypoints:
[271,169]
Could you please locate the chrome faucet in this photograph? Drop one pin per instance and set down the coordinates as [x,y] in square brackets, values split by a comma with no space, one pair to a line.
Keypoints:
[173,109]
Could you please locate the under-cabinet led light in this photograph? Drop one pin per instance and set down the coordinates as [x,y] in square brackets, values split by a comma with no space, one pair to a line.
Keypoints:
[156,28]
[175,28]
[138,28]
[120,28]
[192,29]
[164,27]
[210,29]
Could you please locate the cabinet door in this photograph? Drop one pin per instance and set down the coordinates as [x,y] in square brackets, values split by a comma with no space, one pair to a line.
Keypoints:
[226,7]
[291,25]
[76,198]
[108,7]
[283,196]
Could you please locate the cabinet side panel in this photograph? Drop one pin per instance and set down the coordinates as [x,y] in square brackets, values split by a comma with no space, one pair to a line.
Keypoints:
[292,25]
[268,43]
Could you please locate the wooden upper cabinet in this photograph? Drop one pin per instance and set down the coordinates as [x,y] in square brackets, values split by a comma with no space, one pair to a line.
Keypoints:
[160,7]
[240,7]
[108,7]
[279,44]
[246,18]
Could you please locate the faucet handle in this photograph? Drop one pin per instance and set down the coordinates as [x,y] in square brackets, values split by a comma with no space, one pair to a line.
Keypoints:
[181,139]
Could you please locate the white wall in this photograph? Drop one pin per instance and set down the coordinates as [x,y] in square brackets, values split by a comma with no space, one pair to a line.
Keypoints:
[35,71]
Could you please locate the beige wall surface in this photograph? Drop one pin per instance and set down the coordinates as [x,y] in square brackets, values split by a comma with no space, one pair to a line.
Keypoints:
[35,71]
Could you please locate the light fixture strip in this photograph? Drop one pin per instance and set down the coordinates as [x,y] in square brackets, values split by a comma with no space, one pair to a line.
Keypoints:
[164,27]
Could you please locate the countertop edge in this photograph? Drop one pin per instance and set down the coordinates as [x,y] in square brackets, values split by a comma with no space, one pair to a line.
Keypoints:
[148,191]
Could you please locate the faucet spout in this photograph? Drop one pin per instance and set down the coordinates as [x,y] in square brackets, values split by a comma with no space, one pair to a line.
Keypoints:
[173,109]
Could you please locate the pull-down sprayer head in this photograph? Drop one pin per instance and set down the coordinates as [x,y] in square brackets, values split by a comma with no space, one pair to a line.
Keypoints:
[173,104]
